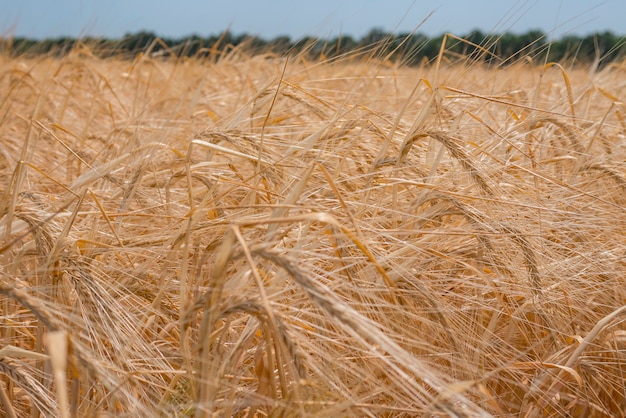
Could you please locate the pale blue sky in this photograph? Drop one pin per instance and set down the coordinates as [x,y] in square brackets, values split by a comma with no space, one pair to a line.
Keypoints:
[322,18]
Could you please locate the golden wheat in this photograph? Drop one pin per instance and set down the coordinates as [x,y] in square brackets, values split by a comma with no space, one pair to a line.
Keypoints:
[256,236]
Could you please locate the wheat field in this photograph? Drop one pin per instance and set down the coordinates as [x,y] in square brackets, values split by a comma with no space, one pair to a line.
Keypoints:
[269,236]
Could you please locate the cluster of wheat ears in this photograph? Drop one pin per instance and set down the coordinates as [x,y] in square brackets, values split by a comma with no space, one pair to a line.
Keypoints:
[267,236]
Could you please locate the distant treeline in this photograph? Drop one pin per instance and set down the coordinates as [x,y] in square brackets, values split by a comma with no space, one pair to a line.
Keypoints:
[410,49]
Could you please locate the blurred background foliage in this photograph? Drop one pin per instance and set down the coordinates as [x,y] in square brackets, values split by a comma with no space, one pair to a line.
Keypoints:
[407,48]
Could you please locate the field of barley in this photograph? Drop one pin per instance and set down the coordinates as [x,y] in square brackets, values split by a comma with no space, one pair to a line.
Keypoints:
[266,236]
